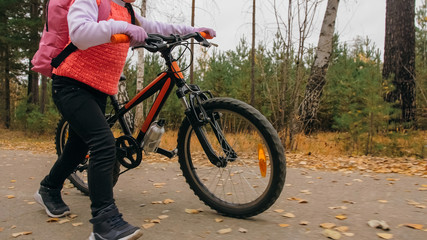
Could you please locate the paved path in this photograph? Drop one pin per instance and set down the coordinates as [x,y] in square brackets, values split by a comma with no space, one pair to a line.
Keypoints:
[328,194]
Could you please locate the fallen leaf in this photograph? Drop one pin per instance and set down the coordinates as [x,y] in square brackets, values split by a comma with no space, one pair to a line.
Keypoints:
[12,187]
[283,225]
[148,225]
[77,224]
[159,185]
[392,179]
[72,216]
[305,191]
[279,210]
[168,201]
[50,220]
[341,217]
[219,220]
[382,201]
[243,230]
[10,196]
[155,221]
[412,202]
[331,234]
[339,207]
[63,221]
[422,189]
[162,217]
[15,235]
[1,229]
[288,215]
[294,199]
[357,180]
[348,234]
[378,224]
[192,211]
[31,203]
[385,235]
[327,225]
[224,231]
[414,226]
[342,229]
[304,223]
[13,181]
[303,201]
[156,202]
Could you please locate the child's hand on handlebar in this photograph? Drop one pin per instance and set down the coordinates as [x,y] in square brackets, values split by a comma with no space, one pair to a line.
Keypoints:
[137,34]
[209,31]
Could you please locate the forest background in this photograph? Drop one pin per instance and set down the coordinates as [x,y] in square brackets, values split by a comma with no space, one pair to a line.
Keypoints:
[354,116]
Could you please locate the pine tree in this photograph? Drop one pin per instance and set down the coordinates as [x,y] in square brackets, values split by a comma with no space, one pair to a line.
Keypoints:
[399,56]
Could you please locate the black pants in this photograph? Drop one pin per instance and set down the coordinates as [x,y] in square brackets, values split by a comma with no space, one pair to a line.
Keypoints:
[84,107]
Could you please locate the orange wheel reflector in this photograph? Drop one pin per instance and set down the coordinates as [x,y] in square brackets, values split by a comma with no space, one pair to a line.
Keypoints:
[262,160]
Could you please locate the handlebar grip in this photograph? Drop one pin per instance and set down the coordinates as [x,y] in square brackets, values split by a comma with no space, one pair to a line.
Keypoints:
[206,35]
[120,38]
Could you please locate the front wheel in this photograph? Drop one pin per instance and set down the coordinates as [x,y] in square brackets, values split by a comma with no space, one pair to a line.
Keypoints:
[253,174]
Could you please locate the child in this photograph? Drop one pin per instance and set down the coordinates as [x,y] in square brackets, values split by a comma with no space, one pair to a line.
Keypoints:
[80,87]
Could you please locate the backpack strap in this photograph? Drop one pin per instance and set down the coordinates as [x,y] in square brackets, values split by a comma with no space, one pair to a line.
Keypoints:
[104,8]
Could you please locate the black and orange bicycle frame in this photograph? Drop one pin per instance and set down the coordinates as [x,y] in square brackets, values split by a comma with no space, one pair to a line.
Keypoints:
[164,83]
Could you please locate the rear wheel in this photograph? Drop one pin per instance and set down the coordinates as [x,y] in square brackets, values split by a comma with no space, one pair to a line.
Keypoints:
[252,179]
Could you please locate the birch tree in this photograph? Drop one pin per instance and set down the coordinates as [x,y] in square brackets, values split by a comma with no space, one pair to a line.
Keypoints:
[310,103]
[139,110]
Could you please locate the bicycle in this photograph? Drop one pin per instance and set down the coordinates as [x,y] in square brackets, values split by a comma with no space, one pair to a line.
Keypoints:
[228,152]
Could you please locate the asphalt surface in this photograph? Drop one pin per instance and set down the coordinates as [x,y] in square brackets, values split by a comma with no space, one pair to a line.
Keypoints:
[312,198]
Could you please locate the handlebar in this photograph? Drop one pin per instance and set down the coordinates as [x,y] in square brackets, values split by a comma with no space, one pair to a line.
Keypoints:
[157,42]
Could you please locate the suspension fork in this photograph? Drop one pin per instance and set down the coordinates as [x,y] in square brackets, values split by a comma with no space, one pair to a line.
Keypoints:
[198,118]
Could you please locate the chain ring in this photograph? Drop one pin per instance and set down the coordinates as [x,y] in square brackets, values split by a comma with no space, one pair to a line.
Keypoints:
[128,152]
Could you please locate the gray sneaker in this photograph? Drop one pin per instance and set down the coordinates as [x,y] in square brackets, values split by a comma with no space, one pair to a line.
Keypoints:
[109,224]
[51,200]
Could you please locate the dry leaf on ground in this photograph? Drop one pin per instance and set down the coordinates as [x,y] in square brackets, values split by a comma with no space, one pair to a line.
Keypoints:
[385,235]
[219,220]
[342,229]
[341,217]
[331,234]
[148,225]
[15,235]
[192,211]
[224,231]
[243,230]
[52,220]
[77,224]
[414,226]
[289,215]
[283,225]
[378,224]
[327,225]
[167,201]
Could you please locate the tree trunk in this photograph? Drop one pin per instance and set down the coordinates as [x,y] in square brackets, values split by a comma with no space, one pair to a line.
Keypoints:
[43,99]
[7,88]
[139,110]
[399,56]
[193,16]
[253,55]
[33,81]
[314,89]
